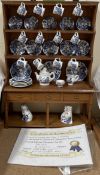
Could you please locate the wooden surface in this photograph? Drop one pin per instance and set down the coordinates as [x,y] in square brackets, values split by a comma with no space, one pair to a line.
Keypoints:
[40,120]
[84,2]
[82,87]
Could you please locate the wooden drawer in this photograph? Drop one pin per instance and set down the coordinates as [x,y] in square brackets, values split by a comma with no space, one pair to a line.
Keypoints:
[20,97]
[28,97]
[76,97]
[46,97]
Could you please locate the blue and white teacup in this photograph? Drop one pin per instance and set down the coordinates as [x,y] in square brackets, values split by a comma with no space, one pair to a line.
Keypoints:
[77,10]
[22,62]
[71,79]
[73,63]
[38,63]
[57,38]
[75,38]
[22,37]
[39,38]
[22,9]
[39,9]
[57,63]
[58,9]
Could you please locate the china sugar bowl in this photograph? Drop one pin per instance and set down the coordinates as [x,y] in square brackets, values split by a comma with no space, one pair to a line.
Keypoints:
[60,83]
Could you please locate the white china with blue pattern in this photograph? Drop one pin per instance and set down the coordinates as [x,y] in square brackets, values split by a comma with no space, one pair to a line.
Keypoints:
[31,22]
[51,68]
[22,9]
[20,72]
[58,9]
[77,11]
[39,9]
[44,77]
[50,48]
[15,22]
[79,69]
[26,113]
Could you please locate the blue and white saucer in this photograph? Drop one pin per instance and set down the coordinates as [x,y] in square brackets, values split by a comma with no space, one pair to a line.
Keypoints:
[20,83]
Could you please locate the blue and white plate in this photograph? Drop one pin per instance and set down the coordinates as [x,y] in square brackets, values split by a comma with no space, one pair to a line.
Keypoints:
[20,73]
[49,23]
[83,48]
[81,71]
[67,48]
[15,22]
[50,48]
[67,23]
[31,23]
[83,23]
[33,48]
[17,47]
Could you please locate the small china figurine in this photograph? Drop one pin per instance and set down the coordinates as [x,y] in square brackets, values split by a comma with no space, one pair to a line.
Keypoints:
[66,116]
[27,115]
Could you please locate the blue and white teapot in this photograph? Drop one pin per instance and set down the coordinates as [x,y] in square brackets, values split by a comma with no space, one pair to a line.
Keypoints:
[45,77]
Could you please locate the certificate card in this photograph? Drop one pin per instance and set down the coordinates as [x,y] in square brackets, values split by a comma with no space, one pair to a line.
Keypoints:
[66,146]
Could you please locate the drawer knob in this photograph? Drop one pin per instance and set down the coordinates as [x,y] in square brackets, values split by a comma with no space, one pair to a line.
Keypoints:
[76,97]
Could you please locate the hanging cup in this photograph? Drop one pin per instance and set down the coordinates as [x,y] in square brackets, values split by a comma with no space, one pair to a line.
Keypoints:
[58,9]
[75,38]
[22,9]
[39,38]
[22,37]
[57,38]
[77,11]
[39,9]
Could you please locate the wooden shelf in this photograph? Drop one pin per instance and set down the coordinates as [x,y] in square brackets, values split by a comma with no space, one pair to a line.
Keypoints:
[15,120]
[39,120]
[1,124]
[77,120]
[49,31]
[46,58]
[50,3]
[82,87]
